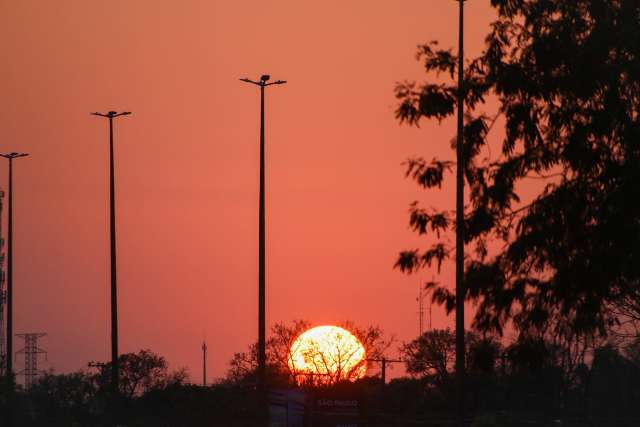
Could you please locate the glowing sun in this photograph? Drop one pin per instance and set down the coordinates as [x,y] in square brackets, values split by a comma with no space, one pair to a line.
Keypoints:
[327,354]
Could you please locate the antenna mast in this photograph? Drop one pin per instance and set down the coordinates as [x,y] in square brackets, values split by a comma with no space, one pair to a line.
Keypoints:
[430,305]
[433,279]
[204,363]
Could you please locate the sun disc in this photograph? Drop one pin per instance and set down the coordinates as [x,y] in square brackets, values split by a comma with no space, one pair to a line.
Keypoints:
[327,354]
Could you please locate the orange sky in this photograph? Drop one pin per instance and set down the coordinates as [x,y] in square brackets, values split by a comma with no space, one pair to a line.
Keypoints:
[187,167]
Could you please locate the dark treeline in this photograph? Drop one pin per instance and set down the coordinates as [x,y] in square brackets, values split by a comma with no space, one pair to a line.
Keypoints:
[150,395]
[535,380]
[531,381]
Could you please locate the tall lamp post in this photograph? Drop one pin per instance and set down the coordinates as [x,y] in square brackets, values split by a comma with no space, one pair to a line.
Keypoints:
[460,286]
[112,220]
[262,84]
[9,365]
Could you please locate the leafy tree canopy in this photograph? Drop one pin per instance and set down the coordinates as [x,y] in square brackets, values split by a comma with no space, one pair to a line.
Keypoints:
[141,372]
[432,355]
[243,366]
[566,77]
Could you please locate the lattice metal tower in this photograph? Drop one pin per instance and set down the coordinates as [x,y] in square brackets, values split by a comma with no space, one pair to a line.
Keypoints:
[3,297]
[31,352]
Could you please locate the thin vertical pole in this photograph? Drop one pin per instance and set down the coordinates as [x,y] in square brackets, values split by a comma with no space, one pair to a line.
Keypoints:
[9,365]
[460,289]
[114,295]
[262,356]
[204,364]
[420,309]
[261,262]
[430,317]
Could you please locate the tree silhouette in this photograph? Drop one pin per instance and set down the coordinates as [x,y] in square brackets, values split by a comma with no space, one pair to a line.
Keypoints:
[140,373]
[484,354]
[243,365]
[432,355]
[565,78]
[70,398]
[525,390]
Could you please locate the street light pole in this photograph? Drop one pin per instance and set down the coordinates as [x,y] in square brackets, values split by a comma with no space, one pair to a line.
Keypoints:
[261,236]
[460,286]
[9,365]
[112,220]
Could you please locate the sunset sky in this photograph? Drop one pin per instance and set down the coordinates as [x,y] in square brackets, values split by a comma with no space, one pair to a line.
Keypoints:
[187,167]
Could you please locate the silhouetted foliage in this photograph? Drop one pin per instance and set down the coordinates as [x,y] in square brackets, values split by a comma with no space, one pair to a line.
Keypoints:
[432,355]
[626,309]
[7,383]
[243,366]
[565,77]
[524,390]
[613,384]
[141,372]
[67,399]
[84,399]
[483,354]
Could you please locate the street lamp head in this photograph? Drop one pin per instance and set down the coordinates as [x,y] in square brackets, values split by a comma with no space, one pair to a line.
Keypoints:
[13,155]
[111,114]
[263,81]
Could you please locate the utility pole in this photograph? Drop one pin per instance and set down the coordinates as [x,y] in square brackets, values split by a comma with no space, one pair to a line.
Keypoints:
[31,352]
[112,222]
[204,364]
[383,366]
[262,357]
[460,232]
[9,364]
[98,365]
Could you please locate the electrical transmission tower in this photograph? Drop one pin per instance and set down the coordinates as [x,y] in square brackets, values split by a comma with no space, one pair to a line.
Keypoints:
[31,352]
